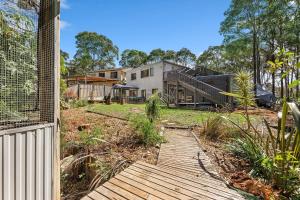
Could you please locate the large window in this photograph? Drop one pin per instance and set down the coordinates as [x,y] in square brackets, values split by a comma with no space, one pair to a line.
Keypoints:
[144,73]
[114,75]
[133,76]
[154,91]
[143,93]
[151,71]
[102,74]
[133,93]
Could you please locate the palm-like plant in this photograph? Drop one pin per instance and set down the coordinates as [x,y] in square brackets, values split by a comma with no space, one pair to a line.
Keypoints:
[244,93]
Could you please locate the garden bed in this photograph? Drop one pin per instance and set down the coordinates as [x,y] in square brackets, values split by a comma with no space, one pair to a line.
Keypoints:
[233,169]
[119,145]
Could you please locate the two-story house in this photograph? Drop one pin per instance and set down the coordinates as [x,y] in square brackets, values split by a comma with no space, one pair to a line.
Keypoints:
[149,78]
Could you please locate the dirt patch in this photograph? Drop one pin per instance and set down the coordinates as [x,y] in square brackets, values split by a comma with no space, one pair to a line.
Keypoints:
[121,145]
[233,169]
[269,114]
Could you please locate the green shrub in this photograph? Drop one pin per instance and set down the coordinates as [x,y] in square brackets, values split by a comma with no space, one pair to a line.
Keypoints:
[246,149]
[217,128]
[153,108]
[146,130]
[79,103]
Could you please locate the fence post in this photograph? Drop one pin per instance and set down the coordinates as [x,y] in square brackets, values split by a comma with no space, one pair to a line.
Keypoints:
[78,91]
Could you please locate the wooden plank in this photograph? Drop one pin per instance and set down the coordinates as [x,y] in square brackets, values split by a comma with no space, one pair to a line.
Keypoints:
[108,193]
[130,188]
[87,198]
[146,188]
[97,196]
[190,185]
[166,182]
[196,178]
[121,191]
[157,185]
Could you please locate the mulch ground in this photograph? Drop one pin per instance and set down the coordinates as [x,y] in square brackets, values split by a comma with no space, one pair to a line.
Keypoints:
[233,169]
[121,144]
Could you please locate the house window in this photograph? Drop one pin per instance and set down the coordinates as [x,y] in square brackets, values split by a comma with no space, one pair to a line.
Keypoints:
[154,91]
[133,76]
[144,73]
[114,75]
[151,71]
[143,93]
[133,93]
[102,74]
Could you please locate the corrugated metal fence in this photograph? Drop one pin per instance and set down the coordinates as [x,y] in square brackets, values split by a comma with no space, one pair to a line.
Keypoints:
[26,160]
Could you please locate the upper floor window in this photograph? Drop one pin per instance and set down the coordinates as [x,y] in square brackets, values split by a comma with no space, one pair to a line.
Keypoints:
[133,76]
[145,73]
[114,75]
[102,74]
[151,71]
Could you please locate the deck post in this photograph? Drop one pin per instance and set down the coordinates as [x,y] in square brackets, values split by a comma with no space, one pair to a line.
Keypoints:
[195,98]
[185,95]
[168,94]
[177,88]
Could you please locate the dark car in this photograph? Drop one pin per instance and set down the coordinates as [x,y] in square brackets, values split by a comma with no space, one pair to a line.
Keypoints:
[264,97]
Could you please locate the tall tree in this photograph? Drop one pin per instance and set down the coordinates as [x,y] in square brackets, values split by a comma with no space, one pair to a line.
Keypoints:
[185,57]
[242,20]
[133,58]
[96,50]
[212,58]
[156,55]
[170,55]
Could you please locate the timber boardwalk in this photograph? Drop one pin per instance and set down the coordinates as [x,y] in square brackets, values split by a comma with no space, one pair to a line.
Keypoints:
[183,172]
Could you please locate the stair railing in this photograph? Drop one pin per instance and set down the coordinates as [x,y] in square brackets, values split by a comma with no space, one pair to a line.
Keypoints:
[208,91]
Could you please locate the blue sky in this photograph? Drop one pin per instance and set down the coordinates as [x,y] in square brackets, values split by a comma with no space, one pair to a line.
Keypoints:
[145,24]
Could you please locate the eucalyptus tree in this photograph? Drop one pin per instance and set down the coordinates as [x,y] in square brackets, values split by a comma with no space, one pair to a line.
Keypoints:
[132,58]
[185,57]
[170,55]
[156,55]
[212,58]
[242,20]
[96,50]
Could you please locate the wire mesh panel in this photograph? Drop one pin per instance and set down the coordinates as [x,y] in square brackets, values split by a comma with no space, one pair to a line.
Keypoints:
[26,63]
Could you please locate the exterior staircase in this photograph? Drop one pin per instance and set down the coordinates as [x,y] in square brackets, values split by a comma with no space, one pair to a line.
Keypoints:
[189,82]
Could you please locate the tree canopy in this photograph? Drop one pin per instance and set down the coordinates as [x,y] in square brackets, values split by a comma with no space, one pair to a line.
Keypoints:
[94,51]
[132,58]
[185,57]
[254,32]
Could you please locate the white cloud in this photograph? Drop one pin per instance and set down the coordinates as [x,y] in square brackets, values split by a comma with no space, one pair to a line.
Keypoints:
[64,24]
[64,4]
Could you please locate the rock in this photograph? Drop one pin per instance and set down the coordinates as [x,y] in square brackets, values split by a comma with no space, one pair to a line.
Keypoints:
[84,127]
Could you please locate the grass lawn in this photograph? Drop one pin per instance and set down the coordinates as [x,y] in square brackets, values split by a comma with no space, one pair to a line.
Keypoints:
[178,116]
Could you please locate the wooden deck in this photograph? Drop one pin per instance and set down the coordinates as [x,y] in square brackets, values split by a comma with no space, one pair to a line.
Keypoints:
[183,172]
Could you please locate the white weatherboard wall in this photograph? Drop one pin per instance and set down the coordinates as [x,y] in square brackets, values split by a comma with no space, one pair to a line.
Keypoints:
[26,160]
[151,82]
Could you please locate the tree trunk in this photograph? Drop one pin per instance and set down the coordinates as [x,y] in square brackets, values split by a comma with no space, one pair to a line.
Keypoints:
[258,66]
[297,70]
[281,83]
[254,60]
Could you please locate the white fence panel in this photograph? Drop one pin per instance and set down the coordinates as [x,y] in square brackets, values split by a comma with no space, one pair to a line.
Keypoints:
[26,163]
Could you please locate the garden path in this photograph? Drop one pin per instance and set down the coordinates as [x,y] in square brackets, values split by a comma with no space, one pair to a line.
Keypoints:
[183,171]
